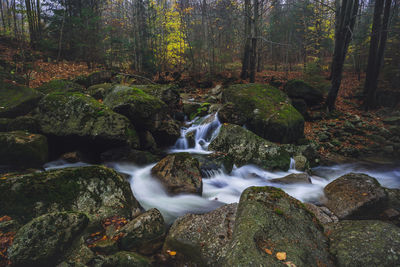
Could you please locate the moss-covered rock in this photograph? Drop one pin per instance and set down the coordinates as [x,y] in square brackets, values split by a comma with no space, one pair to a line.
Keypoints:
[298,89]
[95,190]
[126,259]
[180,173]
[127,154]
[17,100]
[99,91]
[97,77]
[60,86]
[264,110]
[269,221]
[80,116]
[43,241]
[356,195]
[22,149]
[245,147]
[202,240]
[365,243]
[24,123]
[145,233]
[169,94]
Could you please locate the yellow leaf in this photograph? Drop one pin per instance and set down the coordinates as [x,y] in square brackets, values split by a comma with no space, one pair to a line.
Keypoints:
[281,256]
[171,253]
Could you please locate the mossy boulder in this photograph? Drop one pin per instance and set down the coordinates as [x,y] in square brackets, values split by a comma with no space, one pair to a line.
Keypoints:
[126,259]
[43,241]
[17,100]
[24,123]
[269,221]
[245,147]
[180,173]
[95,190]
[99,91]
[97,77]
[22,149]
[60,86]
[365,243]
[298,89]
[78,116]
[144,234]
[169,94]
[202,240]
[264,110]
[356,196]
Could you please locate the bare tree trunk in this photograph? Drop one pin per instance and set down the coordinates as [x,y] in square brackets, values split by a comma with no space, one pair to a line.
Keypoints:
[247,35]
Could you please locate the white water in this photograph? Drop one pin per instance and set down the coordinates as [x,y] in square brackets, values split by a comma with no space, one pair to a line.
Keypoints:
[220,187]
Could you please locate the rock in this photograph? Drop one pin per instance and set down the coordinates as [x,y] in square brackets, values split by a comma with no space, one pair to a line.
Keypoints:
[23,149]
[99,91]
[269,221]
[300,105]
[24,123]
[107,247]
[365,243]
[265,110]
[300,89]
[180,173]
[191,108]
[210,163]
[167,132]
[60,86]
[294,178]
[355,196]
[147,141]
[202,240]
[395,120]
[43,241]
[301,163]
[98,191]
[145,233]
[129,155]
[4,124]
[85,120]
[73,157]
[244,147]
[126,259]
[16,100]
[323,214]
[10,225]
[169,94]
[97,77]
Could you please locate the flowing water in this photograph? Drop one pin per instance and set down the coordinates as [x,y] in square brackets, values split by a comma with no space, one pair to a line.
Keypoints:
[219,187]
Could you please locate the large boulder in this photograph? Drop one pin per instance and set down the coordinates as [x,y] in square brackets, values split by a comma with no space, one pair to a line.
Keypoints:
[16,100]
[264,110]
[145,233]
[95,190]
[22,149]
[82,118]
[43,241]
[169,94]
[202,239]
[245,147]
[59,86]
[294,178]
[355,195]
[271,226]
[180,173]
[298,89]
[365,243]
[102,76]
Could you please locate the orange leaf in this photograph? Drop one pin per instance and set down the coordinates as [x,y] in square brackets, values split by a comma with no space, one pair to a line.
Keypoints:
[281,256]
[268,251]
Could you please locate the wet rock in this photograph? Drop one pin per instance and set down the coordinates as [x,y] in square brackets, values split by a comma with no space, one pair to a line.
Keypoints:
[294,178]
[190,108]
[73,157]
[180,173]
[166,133]
[23,149]
[98,191]
[245,147]
[145,233]
[264,110]
[210,163]
[82,118]
[300,89]
[126,259]
[355,196]
[147,141]
[202,240]
[129,155]
[16,100]
[269,221]
[301,163]
[43,241]
[365,243]
[323,214]
[24,123]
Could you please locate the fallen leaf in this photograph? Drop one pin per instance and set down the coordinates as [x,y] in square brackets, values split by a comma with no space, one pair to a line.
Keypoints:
[171,252]
[268,251]
[281,256]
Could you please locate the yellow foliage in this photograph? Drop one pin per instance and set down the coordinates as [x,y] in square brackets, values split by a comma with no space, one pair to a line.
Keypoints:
[281,256]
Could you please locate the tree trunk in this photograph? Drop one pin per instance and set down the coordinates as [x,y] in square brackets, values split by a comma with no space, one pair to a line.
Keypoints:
[247,34]
[376,51]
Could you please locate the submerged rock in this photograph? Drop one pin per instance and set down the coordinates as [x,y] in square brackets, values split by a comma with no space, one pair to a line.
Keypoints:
[202,240]
[294,178]
[23,149]
[16,100]
[98,191]
[145,233]
[74,115]
[180,173]
[268,222]
[245,147]
[43,241]
[264,110]
[365,243]
[354,195]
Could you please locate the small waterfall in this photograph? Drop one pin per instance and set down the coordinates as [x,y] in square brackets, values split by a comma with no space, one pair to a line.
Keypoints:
[292,165]
[198,135]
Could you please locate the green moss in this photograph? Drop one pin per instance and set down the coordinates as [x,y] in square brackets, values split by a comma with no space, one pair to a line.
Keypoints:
[278,211]
[61,86]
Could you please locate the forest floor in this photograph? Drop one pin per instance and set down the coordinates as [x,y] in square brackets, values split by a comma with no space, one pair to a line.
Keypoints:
[349,132]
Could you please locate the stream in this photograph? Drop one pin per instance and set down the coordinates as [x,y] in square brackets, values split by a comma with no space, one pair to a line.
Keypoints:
[220,188]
